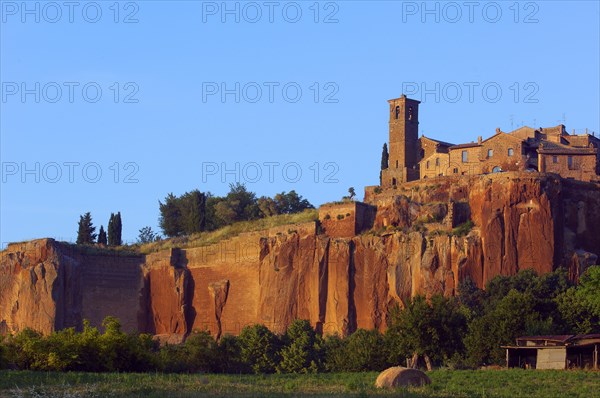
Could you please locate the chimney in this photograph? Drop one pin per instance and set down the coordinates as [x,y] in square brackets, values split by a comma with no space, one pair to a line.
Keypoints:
[479,139]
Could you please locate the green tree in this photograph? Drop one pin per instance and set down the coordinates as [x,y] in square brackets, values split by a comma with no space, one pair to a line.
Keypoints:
[384,161]
[259,349]
[147,235]
[291,202]
[170,216]
[433,330]
[589,289]
[351,193]
[229,355]
[579,306]
[267,206]
[118,230]
[192,207]
[384,157]
[513,316]
[85,233]
[201,351]
[335,353]
[102,240]
[302,352]
[365,350]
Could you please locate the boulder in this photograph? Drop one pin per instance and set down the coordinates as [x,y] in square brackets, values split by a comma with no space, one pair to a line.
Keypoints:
[398,376]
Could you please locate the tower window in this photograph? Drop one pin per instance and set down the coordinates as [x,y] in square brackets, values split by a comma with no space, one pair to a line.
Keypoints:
[396,164]
[397,111]
[465,156]
[410,113]
[427,164]
[554,159]
[570,161]
[490,153]
[437,161]
[511,152]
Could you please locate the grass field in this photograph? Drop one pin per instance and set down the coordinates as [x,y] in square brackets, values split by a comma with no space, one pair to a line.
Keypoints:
[445,383]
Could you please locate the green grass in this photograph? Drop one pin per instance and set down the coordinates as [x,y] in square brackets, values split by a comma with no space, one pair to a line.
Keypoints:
[445,383]
[227,232]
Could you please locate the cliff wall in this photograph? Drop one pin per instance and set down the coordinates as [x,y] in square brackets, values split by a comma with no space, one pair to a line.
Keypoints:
[272,277]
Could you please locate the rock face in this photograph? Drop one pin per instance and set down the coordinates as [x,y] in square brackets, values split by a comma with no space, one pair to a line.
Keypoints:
[274,276]
[398,376]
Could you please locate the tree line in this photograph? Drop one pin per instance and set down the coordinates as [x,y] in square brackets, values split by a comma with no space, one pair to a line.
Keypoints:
[465,331]
[86,231]
[196,211]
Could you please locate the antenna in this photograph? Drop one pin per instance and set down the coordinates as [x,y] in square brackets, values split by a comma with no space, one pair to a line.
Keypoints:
[512,121]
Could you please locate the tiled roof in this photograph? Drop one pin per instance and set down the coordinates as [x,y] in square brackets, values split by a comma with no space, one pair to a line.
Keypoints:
[555,147]
[438,141]
[470,145]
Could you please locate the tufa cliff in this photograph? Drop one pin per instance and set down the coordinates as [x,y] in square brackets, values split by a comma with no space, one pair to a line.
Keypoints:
[343,274]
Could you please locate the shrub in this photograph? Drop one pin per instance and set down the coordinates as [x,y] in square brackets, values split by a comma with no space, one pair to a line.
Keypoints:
[302,352]
[259,349]
[335,353]
[365,350]
[229,355]
[201,352]
[463,229]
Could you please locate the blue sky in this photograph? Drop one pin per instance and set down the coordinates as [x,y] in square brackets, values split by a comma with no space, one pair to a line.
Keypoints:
[134,90]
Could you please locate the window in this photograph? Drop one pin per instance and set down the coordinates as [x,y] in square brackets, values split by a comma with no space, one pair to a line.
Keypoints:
[511,152]
[410,113]
[570,161]
[393,181]
[396,164]
[455,171]
[490,153]
[554,159]
[397,111]
[427,164]
[497,169]
[465,156]
[437,161]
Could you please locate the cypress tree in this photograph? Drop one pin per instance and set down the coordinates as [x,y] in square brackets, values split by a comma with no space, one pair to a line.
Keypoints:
[192,206]
[118,230]
[85,232]
[102,236]
[385,156]
[111,230]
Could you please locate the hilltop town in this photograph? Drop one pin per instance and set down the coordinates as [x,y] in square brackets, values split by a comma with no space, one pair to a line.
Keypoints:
[543,150]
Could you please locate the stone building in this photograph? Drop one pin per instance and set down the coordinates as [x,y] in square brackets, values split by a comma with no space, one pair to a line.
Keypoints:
[544,150]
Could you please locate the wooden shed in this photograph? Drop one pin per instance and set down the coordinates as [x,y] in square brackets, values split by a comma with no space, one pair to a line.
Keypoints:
[554,352]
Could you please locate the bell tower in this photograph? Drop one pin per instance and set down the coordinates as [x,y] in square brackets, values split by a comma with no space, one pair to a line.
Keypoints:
[404,139]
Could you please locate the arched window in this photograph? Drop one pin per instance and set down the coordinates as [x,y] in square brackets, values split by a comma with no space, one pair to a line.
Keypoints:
[410,113]
[427,164]
[437,161]
[497,169]
[511,151]
[397,111]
